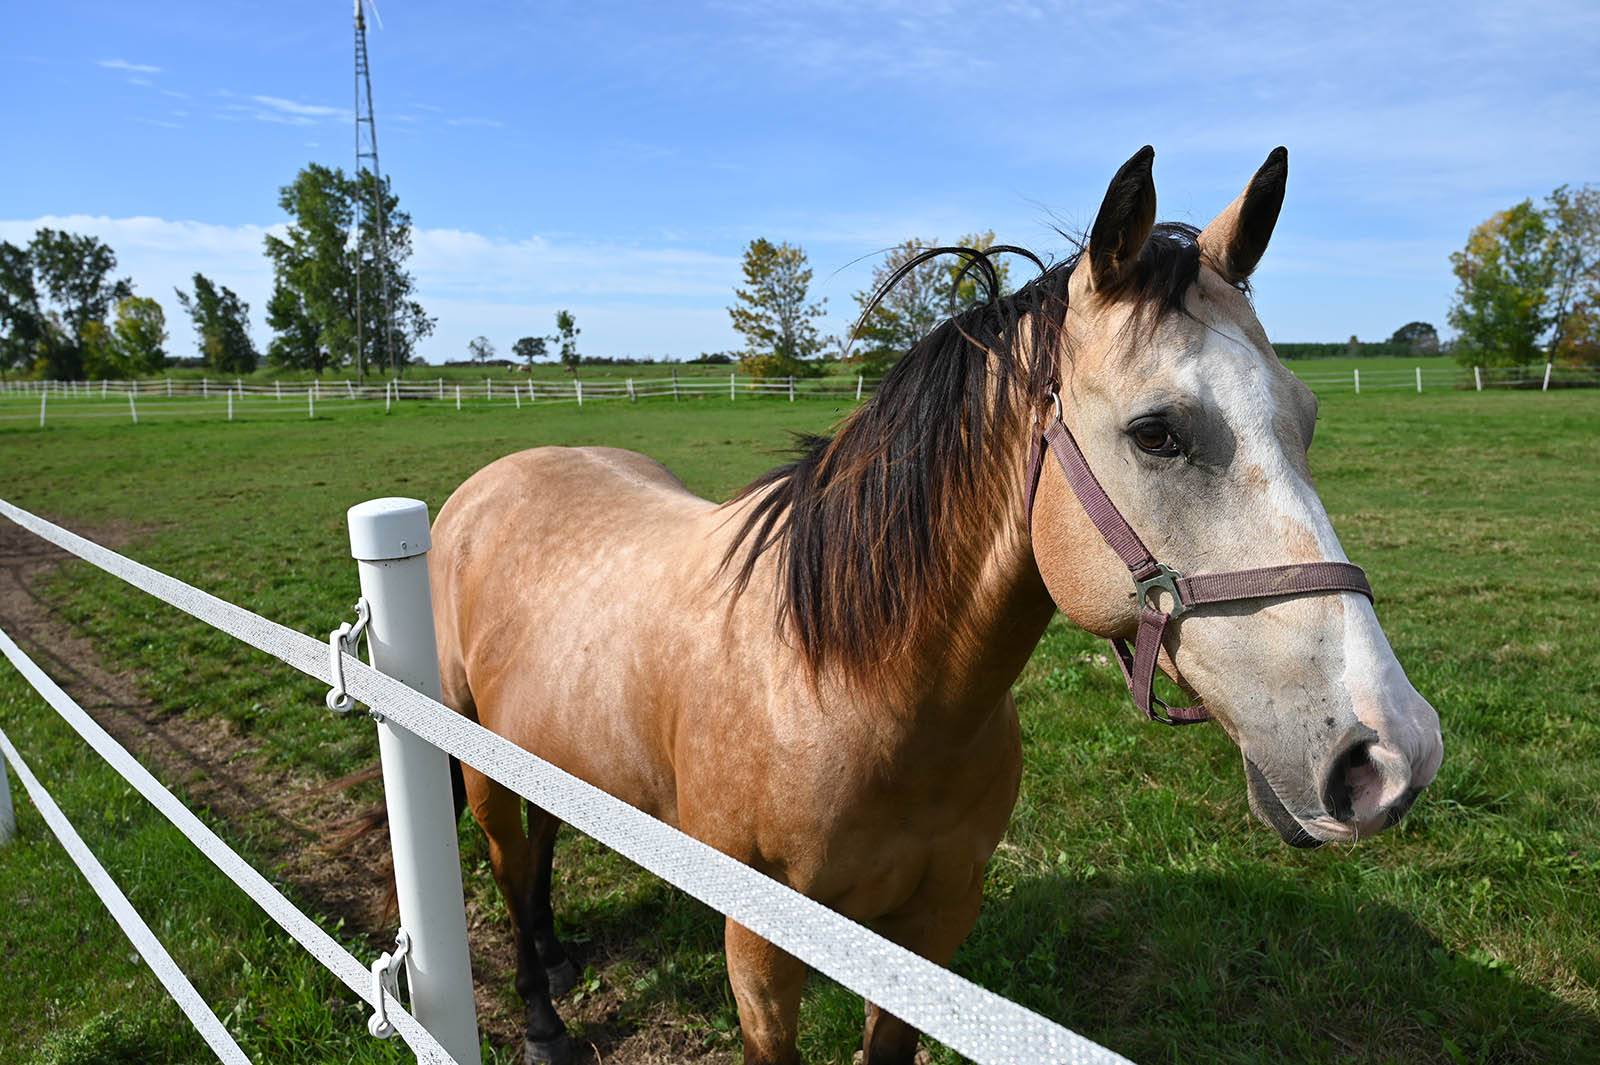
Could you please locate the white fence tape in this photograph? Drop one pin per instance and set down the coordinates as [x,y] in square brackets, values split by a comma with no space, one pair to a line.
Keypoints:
[138,932]
[322,946]
[968,1018]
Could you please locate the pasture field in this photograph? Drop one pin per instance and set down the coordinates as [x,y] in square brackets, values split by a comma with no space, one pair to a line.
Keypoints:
[1134,899]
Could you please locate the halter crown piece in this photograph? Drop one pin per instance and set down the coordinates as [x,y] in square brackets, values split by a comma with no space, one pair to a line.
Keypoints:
[1186,593]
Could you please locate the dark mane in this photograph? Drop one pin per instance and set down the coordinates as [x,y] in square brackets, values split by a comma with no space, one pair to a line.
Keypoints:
[865,522]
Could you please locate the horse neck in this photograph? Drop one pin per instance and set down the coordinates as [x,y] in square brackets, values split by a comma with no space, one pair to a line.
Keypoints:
[975,633]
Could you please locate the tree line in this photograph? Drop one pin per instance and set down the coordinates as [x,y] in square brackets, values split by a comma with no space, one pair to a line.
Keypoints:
[63,314]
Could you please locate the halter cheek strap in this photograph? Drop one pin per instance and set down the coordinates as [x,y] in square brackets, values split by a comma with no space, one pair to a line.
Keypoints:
[1149,576]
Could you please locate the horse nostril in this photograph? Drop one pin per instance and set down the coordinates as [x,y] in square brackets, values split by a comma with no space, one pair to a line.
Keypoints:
[1347,773]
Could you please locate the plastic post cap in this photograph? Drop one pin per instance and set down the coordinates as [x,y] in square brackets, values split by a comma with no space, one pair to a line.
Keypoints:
[392,527]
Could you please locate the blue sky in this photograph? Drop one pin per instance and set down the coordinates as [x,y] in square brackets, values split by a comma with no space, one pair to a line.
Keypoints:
[614,159]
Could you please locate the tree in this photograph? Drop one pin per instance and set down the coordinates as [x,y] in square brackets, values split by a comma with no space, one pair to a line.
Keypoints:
[1420,337]
[531,349]
[23,323]
[567,332]
[1528,280]
[296,343]
[480,349]
[924,294]
[1574,251]
[133,345]
[221,325]
[74,272]
[772,312]
[317,262]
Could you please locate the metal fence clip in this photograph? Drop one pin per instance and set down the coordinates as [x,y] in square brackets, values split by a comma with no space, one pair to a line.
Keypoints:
[386,977]
[345,638]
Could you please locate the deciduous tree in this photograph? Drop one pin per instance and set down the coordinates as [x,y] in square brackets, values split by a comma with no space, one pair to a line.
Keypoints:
[531,349]
[480,348]
[74,272]
[221,325]
[923,294]
[567,332]
[773,314]
[1420,337]
[1528,280]
[134,344]
[321,266]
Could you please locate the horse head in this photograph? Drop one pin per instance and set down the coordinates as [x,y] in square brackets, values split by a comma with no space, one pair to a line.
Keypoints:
[1199,436]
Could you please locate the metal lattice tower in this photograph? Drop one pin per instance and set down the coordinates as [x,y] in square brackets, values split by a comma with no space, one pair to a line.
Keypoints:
[367,155]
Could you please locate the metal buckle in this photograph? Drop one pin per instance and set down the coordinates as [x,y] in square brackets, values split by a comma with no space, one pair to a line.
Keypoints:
[1165,579]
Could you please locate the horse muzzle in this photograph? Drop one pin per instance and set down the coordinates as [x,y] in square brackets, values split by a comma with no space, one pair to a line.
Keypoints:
[1363,788]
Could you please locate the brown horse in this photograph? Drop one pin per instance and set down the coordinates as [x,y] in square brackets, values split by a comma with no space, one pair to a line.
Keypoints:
[815,676]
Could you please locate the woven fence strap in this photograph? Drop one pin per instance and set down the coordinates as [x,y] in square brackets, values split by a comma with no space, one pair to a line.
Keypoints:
[969,1019]
[307,932]
[133,926]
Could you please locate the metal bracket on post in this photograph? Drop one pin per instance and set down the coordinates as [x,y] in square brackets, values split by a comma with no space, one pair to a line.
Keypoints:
[389,539]
[345,639]
[386,977]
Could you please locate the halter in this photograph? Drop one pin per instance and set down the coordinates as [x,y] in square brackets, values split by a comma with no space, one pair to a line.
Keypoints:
[1186,593]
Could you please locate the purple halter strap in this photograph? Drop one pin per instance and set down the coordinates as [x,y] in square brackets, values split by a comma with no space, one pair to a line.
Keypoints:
[1139,664]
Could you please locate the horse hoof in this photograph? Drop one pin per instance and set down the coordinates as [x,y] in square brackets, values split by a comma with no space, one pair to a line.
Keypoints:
[557,1051]
[562,978]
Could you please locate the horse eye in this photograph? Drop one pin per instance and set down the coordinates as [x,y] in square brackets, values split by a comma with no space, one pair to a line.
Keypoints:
[1155,438]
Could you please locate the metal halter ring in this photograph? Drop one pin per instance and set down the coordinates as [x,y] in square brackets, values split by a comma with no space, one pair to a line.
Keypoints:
[1165,579]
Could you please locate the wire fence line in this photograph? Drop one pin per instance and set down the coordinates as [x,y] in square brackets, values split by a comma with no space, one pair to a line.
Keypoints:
[970,1019]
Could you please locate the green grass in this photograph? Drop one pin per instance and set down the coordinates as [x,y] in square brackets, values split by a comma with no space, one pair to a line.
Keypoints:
[1133,900]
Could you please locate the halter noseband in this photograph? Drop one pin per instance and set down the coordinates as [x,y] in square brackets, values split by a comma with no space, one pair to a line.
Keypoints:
[1186,593]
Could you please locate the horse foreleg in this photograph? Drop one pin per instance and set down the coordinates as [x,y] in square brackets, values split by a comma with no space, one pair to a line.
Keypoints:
[933,931]
[520,866]
[767,983]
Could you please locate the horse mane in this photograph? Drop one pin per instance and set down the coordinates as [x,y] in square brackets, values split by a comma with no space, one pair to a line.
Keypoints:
[865,521]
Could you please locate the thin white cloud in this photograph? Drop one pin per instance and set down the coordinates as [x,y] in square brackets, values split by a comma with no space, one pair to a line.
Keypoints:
[475,120]
[131,68]
[293,107]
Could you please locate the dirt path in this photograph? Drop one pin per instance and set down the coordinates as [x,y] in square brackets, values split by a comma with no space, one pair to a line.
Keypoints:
[208,763]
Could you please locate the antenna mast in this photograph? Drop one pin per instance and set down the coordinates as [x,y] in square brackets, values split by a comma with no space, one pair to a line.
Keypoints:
[367,151]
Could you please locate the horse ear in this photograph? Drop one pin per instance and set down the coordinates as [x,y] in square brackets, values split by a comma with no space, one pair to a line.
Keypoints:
[1236,239]
[1126,217]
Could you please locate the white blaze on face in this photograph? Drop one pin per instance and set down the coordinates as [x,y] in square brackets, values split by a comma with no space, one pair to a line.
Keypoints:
[1235,377]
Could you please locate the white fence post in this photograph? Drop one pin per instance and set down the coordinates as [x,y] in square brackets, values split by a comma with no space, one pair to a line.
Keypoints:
[441,388]
[791,388]
[1358,382]
[389,540]
[277,388]
[205,388]
[44,397]
[577,386]
[1546,386]
[386,390]
[133,409]
[311,403]
[230,404]
[1419,379]
[488,388]
[1477,378]
[731,379]
[458,397]
[632,398]
[674,384]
